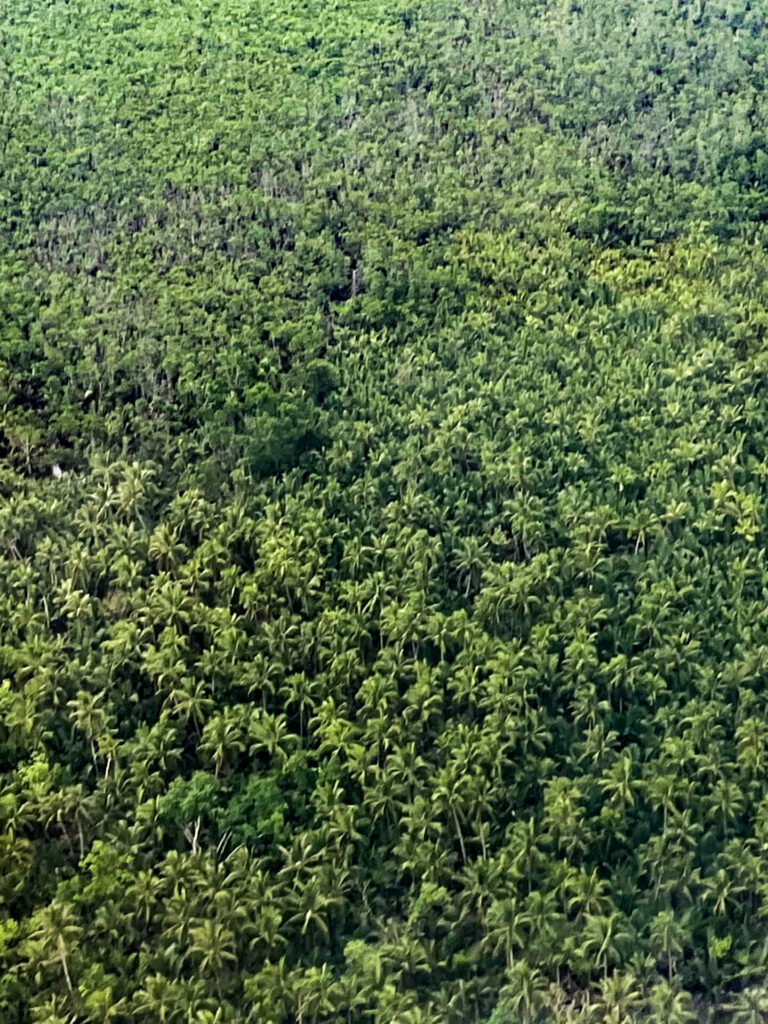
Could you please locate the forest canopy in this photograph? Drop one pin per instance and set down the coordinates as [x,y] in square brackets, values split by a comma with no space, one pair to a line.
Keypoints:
[383,478]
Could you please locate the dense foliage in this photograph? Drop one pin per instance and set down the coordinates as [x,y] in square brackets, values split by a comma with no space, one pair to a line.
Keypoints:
[383,619]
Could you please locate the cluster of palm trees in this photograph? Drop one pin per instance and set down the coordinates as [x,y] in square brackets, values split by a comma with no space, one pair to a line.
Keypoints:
[399,736]
[382,576]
